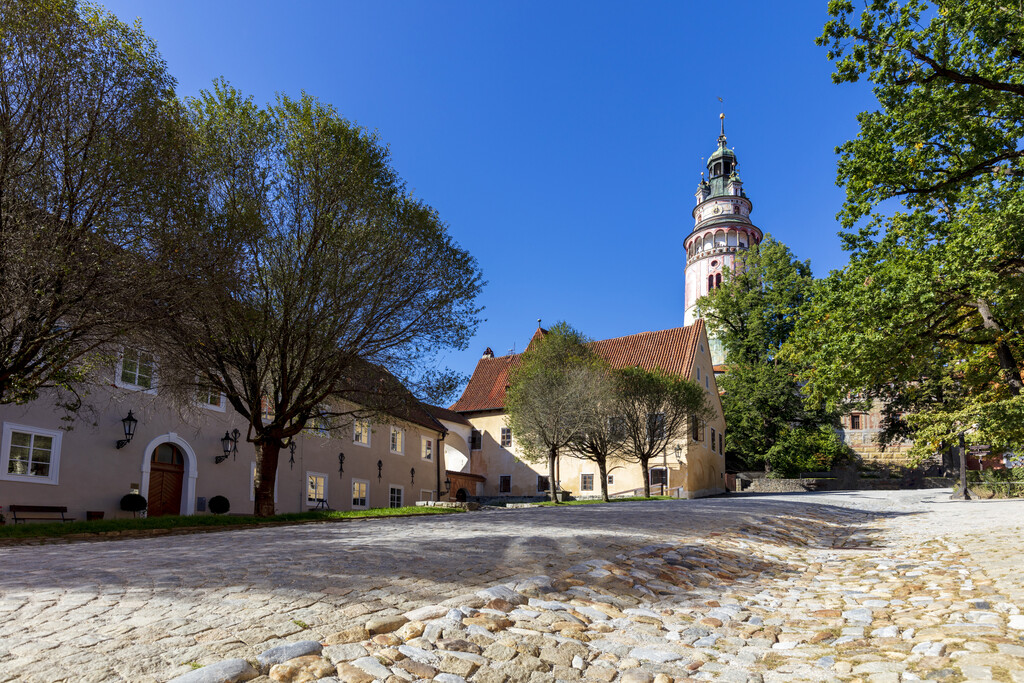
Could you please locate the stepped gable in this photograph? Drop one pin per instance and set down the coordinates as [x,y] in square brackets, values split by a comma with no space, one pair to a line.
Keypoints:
[671,351]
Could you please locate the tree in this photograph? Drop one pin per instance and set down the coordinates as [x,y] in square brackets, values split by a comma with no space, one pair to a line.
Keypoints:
[604,439]
[340,276]
[91,143]
[754,314]
[928,314]
[550,397]
[656,409]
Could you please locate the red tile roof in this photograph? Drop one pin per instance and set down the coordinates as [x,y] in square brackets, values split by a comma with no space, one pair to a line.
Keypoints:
[439,413]
[670,350]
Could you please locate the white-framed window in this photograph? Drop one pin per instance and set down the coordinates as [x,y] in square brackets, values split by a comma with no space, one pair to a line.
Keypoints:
[361,432]
[426,494]
[360,494]
[211,398]
[427,450]
[397,440]
[252,482]
[611,479]
[136,370]
[396,496]
[505,483]
[316,488]
[30,454]
[586,482]
[506,437]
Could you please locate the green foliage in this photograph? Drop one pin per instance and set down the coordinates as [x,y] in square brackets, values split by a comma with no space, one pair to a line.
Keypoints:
[1005,483]
[754,314]
[927,317]
[806,449]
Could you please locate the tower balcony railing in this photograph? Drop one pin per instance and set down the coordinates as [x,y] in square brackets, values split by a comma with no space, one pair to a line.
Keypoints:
[704,253]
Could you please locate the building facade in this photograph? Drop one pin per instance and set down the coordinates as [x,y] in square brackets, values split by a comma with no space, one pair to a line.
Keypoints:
[694,466]
[722,231]
[175,459]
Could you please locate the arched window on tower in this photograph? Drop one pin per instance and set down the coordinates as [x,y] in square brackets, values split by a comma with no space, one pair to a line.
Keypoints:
[718,280]
[711,282]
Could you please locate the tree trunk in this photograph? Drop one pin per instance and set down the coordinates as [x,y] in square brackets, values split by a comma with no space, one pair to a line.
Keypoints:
[1007,363]
[552,456]
[267,454]
[644,465]
[602,469]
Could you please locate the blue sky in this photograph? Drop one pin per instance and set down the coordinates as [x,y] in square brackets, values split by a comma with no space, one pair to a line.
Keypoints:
[561,142]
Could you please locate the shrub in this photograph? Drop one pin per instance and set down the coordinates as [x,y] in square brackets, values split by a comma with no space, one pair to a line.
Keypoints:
[219,505]
[133,502]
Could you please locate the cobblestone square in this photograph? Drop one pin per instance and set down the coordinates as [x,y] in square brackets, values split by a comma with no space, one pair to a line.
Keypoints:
[870,586]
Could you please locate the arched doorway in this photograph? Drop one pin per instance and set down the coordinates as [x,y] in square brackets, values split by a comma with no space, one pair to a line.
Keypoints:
[166,474]
[461,495]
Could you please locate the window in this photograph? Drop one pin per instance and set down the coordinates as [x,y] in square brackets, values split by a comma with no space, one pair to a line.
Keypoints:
[854,421]
[542,482]
[506,437]
[475,440]
[211,398]
[721,447]
[712,438]
[586,482]
[397,440]
[698,374]
[30,454]
[696,429]
[611,479]
[252,482]
[361,432]
[702,348]
[659,476]
[617,427]
[360,493]
[655,426]
[316,488]
[137,371]
[711,282]
[505,483]
[718,280]
[395,496]
[707,381]
[428,449]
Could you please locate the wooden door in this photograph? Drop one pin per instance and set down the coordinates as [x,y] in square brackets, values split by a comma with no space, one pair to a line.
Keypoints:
[166,474]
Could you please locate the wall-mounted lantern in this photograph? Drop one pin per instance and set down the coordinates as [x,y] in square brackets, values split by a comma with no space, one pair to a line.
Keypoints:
[229,444]
[341,463]
[291,451]
[380,469]
[447,488]
[412,475]
[128,423]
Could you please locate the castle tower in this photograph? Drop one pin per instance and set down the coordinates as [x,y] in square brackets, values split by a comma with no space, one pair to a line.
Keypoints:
[721,230]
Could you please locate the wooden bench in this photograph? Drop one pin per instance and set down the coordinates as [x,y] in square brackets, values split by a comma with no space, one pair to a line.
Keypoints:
[49,509]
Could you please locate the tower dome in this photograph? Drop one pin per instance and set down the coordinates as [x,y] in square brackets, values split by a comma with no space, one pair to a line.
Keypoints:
[721,229]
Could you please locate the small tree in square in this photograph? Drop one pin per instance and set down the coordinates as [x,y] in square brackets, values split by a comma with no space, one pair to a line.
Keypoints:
[550,398]
[656,409]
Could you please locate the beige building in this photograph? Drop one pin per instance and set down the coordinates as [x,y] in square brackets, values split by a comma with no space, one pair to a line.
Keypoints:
[691,467]
[177,459]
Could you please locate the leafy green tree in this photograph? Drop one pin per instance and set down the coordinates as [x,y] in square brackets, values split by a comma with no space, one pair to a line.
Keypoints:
[927,317]
[91,148]
[754,314]
[604,440]
[656,409]
[551,396]
[339,276]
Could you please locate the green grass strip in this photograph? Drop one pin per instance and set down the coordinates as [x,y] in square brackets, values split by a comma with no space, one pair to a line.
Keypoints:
[174,522]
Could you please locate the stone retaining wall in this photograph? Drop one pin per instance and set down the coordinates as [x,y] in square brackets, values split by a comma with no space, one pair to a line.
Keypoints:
[766,485]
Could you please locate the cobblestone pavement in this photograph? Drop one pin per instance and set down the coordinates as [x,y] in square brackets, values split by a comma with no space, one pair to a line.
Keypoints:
[870,586]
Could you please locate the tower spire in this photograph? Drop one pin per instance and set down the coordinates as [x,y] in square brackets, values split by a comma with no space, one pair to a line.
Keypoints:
[721,136]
